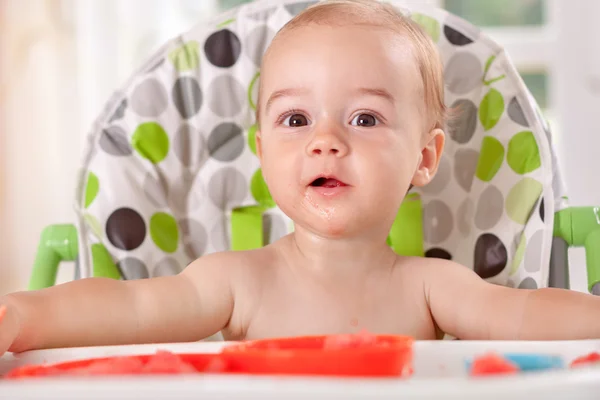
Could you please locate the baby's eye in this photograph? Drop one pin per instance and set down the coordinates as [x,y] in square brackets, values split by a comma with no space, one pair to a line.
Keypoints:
[364,120]
[295,120]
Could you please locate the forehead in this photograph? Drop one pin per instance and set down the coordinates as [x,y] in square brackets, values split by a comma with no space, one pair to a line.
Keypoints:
[351,54]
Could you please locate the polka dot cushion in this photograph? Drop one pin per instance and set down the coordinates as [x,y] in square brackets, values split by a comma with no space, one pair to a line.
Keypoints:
[173,154]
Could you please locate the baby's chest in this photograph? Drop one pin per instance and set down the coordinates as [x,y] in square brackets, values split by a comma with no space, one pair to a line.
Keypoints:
[298,310]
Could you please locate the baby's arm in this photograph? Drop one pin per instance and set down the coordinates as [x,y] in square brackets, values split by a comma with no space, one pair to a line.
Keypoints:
[465,306]
[188,307]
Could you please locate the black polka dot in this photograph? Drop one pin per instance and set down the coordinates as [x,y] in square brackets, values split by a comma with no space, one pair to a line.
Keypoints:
[125,229]
[542,209]
[187,96]
[223,48]
[436,252]
[490,256]
[455,37]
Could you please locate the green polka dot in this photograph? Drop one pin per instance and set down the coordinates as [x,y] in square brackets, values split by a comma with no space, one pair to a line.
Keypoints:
[186,57]
[491,109]
[151,142]
[251,94]
[164,232]
[519,254]
[252,137]
[260,191]
[522,198]
[429,25]
[523,154]
[91,189]
[490,158]
[94,225]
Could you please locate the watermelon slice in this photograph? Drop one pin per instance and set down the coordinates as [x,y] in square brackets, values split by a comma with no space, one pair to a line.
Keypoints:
[590,358]
[163,363]
[492,364]
[362,355]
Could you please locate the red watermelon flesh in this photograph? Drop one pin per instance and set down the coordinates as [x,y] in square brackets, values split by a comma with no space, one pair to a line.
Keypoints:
[591,358]
[492,364]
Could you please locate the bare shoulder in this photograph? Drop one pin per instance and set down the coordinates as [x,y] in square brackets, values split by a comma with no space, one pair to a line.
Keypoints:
[431,271]
[229,265]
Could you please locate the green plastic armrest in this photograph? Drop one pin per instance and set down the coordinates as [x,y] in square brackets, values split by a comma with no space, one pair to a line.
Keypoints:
[59,243]
[580,227]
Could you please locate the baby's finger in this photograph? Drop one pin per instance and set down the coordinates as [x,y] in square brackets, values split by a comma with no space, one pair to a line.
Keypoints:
[2,312]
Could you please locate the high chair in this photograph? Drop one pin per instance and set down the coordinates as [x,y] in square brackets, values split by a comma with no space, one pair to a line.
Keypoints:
[170,172]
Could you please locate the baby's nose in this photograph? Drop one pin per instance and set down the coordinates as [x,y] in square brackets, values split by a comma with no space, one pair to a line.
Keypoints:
[327,143]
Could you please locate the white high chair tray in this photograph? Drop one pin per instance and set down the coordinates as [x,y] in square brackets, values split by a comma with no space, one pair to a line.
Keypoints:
[440,373]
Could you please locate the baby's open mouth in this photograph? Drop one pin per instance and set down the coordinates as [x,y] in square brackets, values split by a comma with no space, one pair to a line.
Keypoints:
[327,183]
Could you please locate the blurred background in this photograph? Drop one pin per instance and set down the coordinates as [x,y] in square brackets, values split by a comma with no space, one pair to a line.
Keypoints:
[61,59]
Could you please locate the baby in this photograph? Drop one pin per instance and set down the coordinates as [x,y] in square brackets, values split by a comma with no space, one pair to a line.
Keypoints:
[351,113]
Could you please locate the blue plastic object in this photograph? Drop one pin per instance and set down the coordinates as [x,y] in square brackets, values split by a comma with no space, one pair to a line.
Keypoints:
[528,362]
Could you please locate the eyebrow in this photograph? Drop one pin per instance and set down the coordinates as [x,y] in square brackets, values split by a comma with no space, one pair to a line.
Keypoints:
[289,92]
[378,92]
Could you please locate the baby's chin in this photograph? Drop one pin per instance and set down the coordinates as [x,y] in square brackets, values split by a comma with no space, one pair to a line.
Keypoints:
[335,222]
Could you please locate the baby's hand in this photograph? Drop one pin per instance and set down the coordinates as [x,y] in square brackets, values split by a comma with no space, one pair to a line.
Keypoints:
[8,330]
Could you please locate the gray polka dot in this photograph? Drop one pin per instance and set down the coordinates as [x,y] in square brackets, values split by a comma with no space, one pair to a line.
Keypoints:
[186,193]
[296,8]
[227,188]
[226,96]
[187,96]
[218,235]
[257,42]
[262,15]
[119,112]
[489,208]
[190,146]
[528,283]
[226,142]
[113,140]
[156,190]
[133,268]
[195,238]
[149,98]
[510,283]
[515,112]
[533,253]
[463,73]
[462,128]
[438,222]
[465,215]
[465,164]
[273,228]
[168,266]
[441,179]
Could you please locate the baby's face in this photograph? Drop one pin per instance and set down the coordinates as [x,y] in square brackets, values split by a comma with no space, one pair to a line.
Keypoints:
[342,127]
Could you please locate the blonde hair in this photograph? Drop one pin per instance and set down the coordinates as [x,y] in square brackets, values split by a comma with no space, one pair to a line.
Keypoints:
[376,13]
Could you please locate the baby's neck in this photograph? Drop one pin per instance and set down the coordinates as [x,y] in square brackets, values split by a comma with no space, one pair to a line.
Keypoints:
[333,256]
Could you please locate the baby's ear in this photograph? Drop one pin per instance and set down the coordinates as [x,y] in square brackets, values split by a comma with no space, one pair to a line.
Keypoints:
[430,157]
[258,143]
